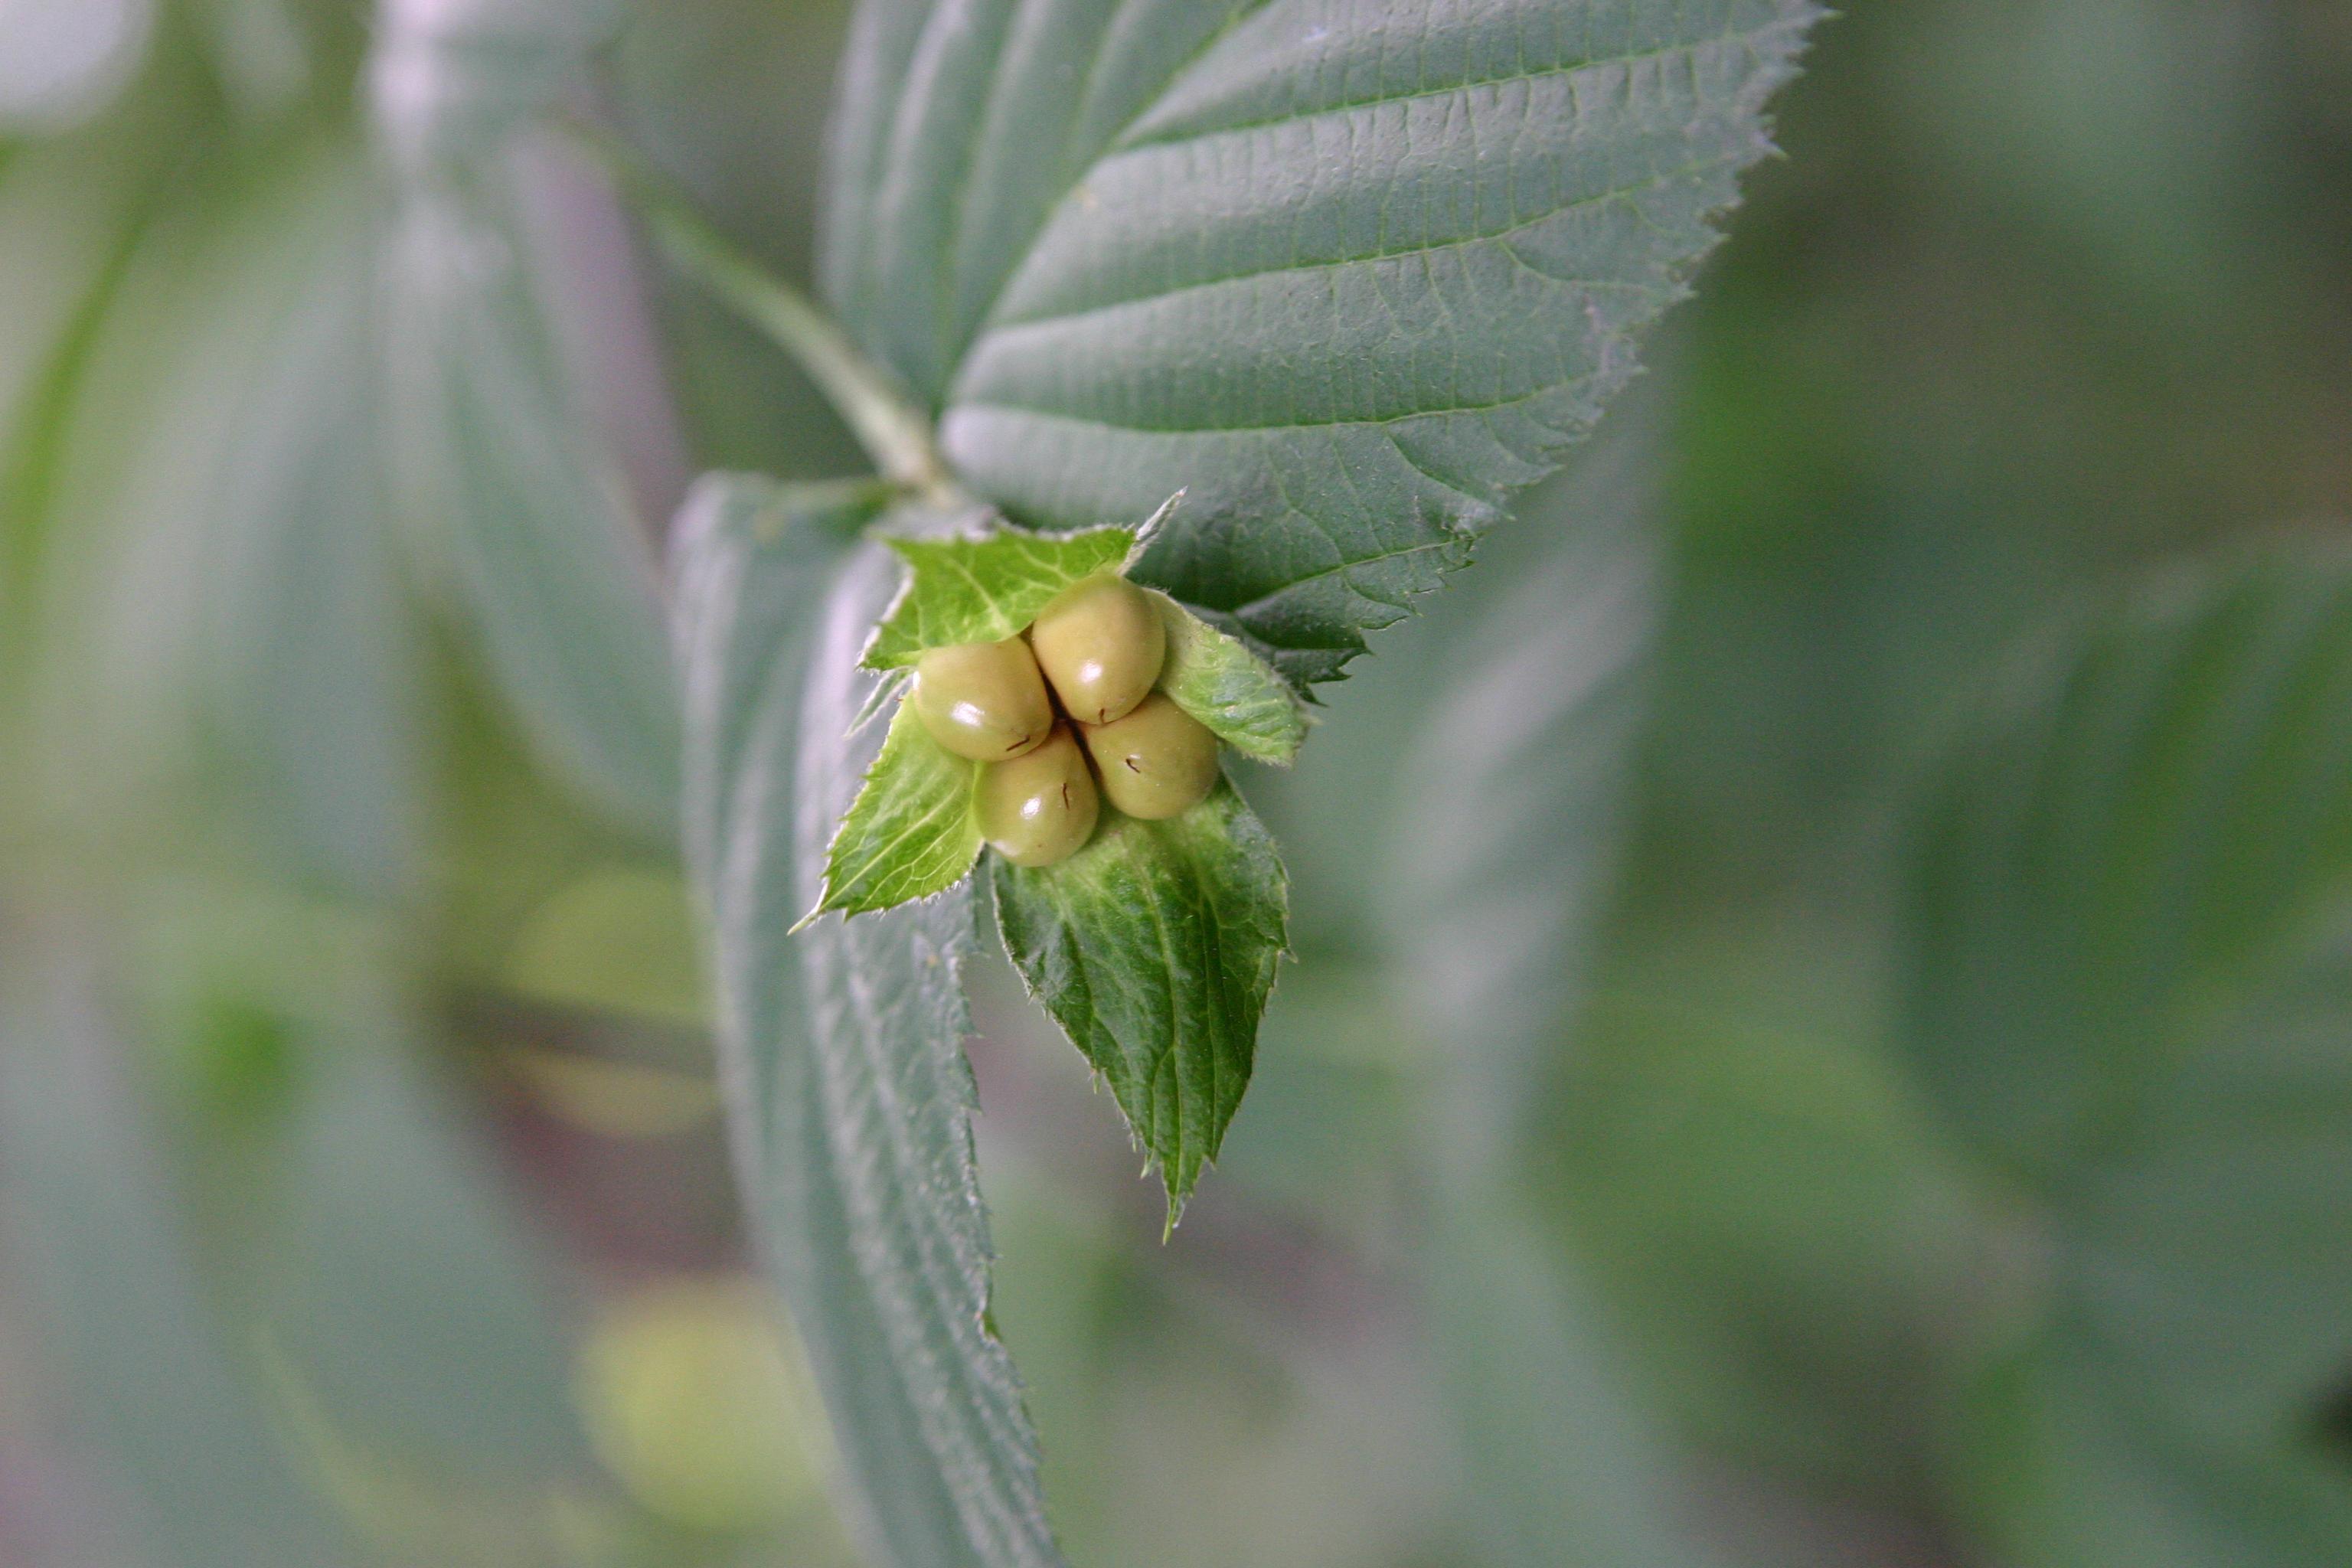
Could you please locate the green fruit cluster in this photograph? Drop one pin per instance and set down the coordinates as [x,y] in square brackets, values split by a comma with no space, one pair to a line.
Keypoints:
[1063,715]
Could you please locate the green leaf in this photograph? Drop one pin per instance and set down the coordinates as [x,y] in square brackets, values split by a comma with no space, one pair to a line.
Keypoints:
[984,581]
[911,831]
[850,1099]
[358,1224]
[449,79]
[519,505]
[2059,1468]
[1510,779]
[2129,981]
[229,615]
[1505,758]
[1155,948]
[1218,680]
[100,1252]
[1562,1463]
[1345,271]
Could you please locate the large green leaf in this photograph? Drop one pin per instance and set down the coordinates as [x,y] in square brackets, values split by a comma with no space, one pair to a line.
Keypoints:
[1345,271]
[849,1093]
[2129,989]
[103,1266]
[1505,828]
[227,609]
[71,210]
[1155,946]
[1507,802]
[518,499]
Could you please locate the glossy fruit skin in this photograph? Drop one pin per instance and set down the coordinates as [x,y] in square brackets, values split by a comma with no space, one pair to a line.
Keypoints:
[1101,644]
[1156,762]
[983,700]
[1039,808]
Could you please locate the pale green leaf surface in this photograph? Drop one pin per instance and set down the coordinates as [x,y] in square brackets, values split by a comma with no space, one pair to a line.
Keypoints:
[1561,1465]
[2128,984]
[1346,271]
[100,1250]
[911,831]
[519,501]
[2060,1469]
[230,611]
[1155,948]
[449,78]
[1509,767]
[1217,679]
[1506,800]
[359,1230]
[982,581]
[848,1091]
[406,1288]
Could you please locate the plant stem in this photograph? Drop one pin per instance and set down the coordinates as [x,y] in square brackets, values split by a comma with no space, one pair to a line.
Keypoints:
[895,434]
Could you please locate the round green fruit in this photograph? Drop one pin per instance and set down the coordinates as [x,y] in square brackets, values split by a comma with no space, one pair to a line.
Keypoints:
[1157,762]
[1101,644]
[984,700]
[1039,808]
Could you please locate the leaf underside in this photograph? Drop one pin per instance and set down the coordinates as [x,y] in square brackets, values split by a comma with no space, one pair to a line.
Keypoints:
[1346,271]
[1155,946]
[2134,873]
[848,1091]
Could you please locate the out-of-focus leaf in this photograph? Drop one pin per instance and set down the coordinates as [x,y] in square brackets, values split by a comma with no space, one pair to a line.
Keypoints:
[1563,1470]
[354,1220]
[2058,1469]
[2128,992]
[519,503]
[61,60]
[1792,1249]
[230,615]
[980,581]
[848,1090]
[1346,273]
[618,940]
[449,78]
[1504,827]
[71,210]
[162,1383]
[1506,809]
[911,832]
[262,50]
[404,1288]
[1155,947]
[519,500]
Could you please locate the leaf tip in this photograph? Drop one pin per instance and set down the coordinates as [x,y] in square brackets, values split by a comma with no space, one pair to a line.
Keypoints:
[1150,531]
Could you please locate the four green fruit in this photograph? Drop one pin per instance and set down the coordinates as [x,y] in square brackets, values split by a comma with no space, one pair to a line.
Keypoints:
[1100,649]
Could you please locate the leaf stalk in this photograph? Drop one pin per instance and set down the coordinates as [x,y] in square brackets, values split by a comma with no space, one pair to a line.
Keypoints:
[895,432]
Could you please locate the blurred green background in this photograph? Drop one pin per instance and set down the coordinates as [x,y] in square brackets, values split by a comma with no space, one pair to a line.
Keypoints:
[1857,760]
